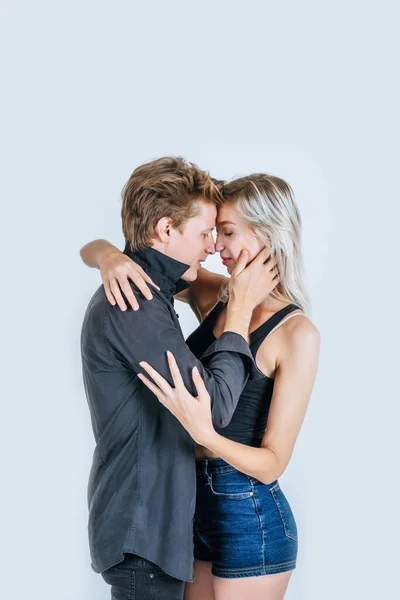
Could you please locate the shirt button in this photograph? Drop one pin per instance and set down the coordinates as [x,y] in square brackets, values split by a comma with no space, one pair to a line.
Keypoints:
[151,575]
[251,493]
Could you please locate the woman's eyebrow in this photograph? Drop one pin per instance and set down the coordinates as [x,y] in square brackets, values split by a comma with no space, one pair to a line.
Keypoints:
[219,223]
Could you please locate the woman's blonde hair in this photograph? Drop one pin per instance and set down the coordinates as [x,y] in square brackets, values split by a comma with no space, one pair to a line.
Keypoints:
[268,205]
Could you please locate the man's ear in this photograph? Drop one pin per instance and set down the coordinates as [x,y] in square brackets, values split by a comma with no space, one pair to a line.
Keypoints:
[163,230]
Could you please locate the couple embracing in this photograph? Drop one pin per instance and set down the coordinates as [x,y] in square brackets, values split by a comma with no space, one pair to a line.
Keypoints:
[192,436]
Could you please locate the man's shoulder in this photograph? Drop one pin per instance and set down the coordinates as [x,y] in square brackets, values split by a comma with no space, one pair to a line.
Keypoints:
[101,314]
[150,312]
[98,304]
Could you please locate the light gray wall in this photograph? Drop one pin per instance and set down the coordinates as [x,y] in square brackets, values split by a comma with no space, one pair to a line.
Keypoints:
[304,90]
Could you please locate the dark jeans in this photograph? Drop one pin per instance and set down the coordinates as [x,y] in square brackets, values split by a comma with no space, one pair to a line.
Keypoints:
[136,578]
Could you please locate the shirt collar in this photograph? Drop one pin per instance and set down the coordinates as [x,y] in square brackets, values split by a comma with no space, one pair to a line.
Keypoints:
[165,271]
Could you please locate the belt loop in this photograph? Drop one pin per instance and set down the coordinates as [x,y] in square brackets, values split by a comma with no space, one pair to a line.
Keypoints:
[205,471]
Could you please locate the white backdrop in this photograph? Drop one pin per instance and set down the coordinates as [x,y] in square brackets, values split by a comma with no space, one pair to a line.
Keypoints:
[306,91]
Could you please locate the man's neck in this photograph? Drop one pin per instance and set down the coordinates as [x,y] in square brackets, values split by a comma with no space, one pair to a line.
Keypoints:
[165,271]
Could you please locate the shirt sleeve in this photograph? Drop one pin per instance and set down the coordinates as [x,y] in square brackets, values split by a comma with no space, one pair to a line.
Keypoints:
[147,334]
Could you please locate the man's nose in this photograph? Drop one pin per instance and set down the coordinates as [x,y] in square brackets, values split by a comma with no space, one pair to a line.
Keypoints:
[210,244]
[210,247]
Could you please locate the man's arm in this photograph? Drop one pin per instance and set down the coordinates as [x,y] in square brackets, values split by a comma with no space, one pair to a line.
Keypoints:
[147,334]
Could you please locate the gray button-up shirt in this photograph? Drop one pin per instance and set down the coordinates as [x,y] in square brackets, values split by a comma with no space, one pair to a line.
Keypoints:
[141,491]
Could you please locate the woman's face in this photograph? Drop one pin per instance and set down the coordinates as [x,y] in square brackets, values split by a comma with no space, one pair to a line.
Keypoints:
[234,235]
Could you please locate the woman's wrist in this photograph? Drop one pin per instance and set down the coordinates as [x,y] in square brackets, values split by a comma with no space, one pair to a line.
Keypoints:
[104,252]
[210,439]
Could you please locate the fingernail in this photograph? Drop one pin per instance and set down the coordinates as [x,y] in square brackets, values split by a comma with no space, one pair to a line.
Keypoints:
[195,371]
[168,353]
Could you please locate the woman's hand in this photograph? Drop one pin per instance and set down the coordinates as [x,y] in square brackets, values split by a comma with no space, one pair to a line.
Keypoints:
[193,413]
[116,269]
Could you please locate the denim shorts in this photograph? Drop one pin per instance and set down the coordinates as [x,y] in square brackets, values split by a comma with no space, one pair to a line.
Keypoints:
[243,527]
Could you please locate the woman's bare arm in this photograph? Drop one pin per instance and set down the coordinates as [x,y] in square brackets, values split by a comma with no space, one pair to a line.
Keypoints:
[116,269]
[294,380]
[203,293]
[93,252]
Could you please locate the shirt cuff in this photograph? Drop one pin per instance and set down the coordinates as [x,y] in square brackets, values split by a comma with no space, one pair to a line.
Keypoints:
[234,342]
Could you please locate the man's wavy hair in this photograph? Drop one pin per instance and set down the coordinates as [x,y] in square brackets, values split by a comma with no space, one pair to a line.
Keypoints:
[165,187]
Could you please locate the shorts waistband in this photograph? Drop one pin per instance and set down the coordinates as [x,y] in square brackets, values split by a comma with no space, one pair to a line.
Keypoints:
[213,465]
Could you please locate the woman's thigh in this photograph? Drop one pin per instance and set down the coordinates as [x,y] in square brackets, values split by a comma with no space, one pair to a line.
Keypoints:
[208,587]
[202,587]
[263,587]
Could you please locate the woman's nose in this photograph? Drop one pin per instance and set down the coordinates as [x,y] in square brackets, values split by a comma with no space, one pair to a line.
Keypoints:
[219,246]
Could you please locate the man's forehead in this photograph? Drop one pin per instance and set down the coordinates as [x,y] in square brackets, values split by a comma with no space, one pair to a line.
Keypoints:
[207,214]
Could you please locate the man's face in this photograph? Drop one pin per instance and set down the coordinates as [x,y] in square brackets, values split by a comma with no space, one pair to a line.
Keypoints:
[195,242]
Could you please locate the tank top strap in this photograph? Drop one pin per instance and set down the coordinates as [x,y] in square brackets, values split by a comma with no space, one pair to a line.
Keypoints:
[258,336]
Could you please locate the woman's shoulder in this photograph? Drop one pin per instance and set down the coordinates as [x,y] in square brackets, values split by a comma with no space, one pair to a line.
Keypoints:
[300,333]
[295,334]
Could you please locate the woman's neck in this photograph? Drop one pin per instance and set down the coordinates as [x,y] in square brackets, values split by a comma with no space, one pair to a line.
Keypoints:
[272,305]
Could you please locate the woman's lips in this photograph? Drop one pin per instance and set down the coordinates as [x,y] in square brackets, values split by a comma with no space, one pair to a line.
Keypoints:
[225,261]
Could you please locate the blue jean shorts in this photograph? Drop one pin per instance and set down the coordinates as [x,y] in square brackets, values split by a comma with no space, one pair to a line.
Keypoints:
[243,527]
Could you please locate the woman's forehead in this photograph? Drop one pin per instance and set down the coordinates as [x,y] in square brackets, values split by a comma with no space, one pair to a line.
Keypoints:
[227,208]
[228,212]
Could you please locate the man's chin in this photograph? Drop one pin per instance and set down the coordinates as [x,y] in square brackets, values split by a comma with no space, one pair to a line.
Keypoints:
[191,274]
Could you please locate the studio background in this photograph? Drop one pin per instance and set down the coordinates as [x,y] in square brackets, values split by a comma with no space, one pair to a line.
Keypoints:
[306,91]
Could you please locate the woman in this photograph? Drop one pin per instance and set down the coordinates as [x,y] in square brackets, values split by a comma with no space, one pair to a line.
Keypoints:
[244,531]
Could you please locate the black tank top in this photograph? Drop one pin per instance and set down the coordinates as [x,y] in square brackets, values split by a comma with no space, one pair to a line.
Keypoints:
[250,418]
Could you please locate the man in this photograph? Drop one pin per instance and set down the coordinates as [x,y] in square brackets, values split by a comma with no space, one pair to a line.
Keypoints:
[141,489]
